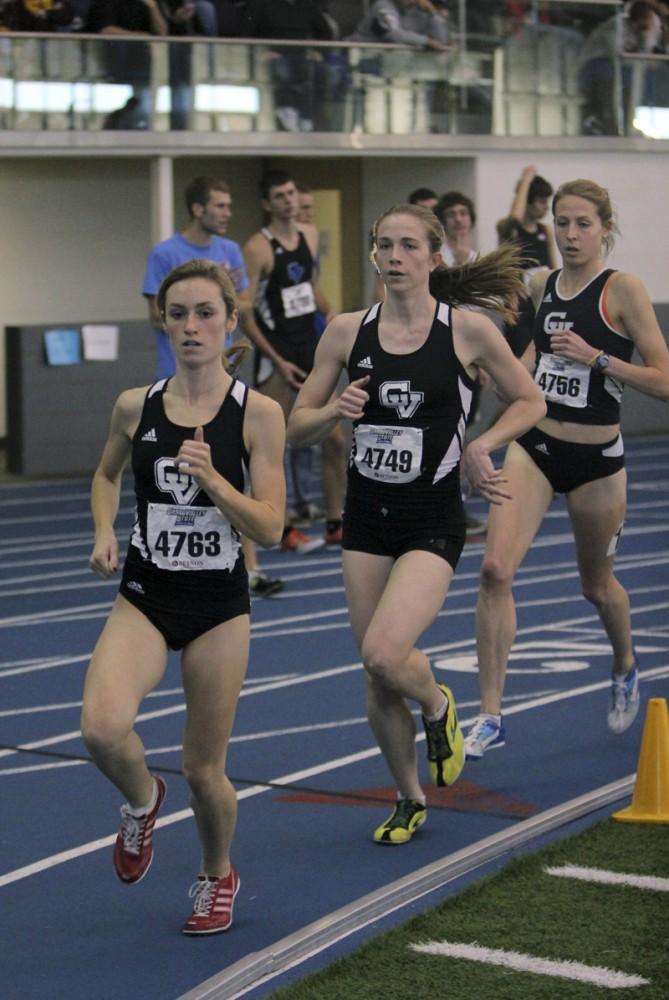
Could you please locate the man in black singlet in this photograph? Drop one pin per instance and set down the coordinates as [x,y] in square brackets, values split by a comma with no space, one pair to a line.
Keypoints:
[280,260]
[523,225]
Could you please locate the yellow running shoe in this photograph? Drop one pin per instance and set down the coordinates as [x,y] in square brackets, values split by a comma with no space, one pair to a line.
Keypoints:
[445,744]
[407,816]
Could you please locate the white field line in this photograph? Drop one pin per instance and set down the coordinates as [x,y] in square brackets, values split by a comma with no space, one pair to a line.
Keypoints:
[29,543]
[161,693]
[12,668]
[313,573]
[595,974]
[644,561]
[316,574]
[332,765]
[52,518]
[293,681]
[101,609]
[603,877]
[266,734]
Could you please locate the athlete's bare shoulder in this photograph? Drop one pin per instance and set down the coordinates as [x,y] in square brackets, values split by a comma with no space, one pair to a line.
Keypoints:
[129,404]
[260,407]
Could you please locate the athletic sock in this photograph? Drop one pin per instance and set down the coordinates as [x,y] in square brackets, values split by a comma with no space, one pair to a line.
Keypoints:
[440,714]
[143,810]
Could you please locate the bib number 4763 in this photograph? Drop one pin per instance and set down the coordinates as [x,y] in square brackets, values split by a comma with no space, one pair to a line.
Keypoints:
[170,543]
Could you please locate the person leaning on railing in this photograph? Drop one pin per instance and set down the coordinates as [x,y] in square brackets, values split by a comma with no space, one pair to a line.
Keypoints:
[420,23]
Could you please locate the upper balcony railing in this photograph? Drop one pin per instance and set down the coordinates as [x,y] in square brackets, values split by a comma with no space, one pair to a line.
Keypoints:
[541,79]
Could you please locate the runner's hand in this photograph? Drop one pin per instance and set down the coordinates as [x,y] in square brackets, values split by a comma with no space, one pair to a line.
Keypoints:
[293,375]
[483,477]
[195,458]
[104,557]
[352,401]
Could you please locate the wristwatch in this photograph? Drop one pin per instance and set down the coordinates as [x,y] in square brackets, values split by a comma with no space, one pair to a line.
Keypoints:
[602,363]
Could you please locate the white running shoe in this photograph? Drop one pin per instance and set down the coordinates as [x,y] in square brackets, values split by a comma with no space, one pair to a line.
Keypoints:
[485,734]
[625,700]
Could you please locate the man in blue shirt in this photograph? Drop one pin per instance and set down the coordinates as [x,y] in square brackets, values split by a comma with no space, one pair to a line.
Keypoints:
[209,205]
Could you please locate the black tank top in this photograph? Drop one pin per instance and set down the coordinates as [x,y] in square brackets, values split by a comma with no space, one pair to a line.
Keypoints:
[285,306]
[574,392]
[408,444]
[534,246]
[178,529]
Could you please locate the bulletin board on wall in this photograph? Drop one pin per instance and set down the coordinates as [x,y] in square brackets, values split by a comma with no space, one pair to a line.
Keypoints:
[62,382]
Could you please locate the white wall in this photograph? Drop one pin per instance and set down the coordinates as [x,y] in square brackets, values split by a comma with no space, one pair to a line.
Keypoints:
[638,184]
[76,230]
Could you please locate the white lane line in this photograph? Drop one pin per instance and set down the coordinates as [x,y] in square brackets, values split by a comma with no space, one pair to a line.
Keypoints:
[295,776]
[247,737]
[597,975]
[604,877]
[52,518]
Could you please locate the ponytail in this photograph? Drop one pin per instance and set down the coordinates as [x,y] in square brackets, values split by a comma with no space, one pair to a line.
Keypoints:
[233,356]
[494,281]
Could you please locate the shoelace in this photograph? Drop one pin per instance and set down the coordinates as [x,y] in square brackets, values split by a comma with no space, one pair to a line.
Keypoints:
[204,893]
[132,829]
[437,743]
[481,730]
[403,814]
[620,696]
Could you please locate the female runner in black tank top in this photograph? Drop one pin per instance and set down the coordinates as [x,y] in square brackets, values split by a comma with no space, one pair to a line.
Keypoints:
[589,319]
[184,581]
[411,362]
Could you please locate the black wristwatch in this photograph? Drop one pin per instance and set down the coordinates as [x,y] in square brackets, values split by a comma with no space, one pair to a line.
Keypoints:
[602,363]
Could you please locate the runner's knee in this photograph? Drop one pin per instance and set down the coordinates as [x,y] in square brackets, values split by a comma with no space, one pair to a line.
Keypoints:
[496,574]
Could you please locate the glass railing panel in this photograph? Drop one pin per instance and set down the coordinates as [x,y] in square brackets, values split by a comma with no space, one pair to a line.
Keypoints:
[558,69]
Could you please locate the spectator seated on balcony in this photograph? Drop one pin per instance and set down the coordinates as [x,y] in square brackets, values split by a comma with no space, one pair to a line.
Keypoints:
[129,62]
[36,15]
[639,29]
[298,74]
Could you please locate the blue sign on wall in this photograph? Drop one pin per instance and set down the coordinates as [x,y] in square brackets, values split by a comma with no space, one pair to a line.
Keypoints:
[63,347]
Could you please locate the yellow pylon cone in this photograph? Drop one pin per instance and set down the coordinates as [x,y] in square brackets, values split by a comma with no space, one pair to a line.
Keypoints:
[650,802]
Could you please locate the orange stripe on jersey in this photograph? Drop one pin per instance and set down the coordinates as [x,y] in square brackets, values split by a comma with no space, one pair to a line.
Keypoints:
[605,312]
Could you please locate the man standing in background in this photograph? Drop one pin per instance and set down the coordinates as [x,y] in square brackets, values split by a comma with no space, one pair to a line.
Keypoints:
[281,264]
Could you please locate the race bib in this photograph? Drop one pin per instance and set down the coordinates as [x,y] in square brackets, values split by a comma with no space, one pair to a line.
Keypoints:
[190,538]
[388,454]
[298,300]
[563,381]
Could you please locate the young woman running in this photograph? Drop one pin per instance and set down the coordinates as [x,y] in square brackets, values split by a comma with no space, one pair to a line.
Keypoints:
[411,363]
[191,439]
[589,320]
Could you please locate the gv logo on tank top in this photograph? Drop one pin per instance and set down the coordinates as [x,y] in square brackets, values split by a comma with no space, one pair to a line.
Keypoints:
[557,322]
[398,396]
[169,479]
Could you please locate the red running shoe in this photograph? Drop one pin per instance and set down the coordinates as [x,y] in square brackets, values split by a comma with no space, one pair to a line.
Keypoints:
[296,541]
[214,899]
[133,852]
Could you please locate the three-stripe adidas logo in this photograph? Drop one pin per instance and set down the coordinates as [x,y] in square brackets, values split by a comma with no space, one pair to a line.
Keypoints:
[365,363]
[150,435]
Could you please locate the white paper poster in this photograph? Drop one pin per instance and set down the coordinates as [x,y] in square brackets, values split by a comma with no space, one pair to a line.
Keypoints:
[100,342]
